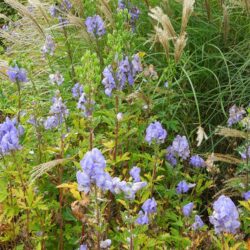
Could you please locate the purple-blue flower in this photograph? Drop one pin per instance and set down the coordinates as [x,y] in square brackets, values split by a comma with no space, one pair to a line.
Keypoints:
[149,206]
[9,136]
[126,72]
[225,217]
[197,162]
[180,147]
[142,218]
[66,4]
[187,209]
[85,105]
[17,74]
[53,10]
[77,90]
[198,223]
[83,247]
[95,26]
[170,157]
[49,46]
[246,195]
[56,78]
[58,112]
[135,174]
[246,153]
[183,187]
[155,133]
[236,114]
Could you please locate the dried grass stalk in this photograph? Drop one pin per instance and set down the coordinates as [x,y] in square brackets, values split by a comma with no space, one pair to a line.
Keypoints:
[179,46]
[106,10]
[229,132]
[24,12]
[188,7]
[227,159]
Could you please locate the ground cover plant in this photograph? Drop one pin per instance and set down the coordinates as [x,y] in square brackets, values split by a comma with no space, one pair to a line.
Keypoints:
[125,124]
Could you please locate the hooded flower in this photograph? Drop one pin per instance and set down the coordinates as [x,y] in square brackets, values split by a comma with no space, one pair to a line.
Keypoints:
[155,133]
[198,223]
[183,187]
[9,136]
[17,74]
[197,162]
[187,209]
[225,217]
[246,195]
[135,174]
[148,207]
[95,26]
[49,46]
[56,78]
[77,90]
[235,115]
[180,147]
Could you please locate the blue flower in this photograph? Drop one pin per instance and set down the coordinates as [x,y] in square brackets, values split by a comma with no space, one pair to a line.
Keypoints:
[197,161]
[9,136]
[183,187]
[187,209]
[83,247]
[246,195]
[198,223]
[142,218]
[56,78]
[149,206]
[58,113]
[17,74]
[53,10]
[245,154]
[49,46]
[155,133]
[95,26]
[170,157]
[77,90]
[225,217]
[135,174]
[180,147]
[235,115]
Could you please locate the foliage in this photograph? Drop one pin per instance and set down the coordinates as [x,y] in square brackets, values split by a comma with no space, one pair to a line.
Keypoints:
[90,89]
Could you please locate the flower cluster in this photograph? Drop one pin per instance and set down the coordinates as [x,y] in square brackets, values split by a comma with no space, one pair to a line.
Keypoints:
[197,162]
[49,46]
[236,114]
[183,187]
[155,133]
[58,113]
[133,11]
[95,26]
[148,207]
[17,74]
[179,148]
[66,5]
[225,217]
[56,78]
[125,73]
[77,90]
[93,172]
[9,136]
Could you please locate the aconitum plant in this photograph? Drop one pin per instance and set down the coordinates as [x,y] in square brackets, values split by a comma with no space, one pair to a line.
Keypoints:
[198,223]
[236,114]
[9,136]
[77,90]
[197,162]
[179,148]
[57,114]
[49,46]
[225,217]
[56,78]
[155,133]
[17,74]
[148,207]
[93,172]
[246,195]
[126,72]
[245,154]
[95,26]
[187,209]
[183,187]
